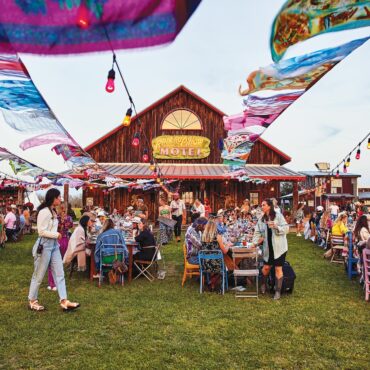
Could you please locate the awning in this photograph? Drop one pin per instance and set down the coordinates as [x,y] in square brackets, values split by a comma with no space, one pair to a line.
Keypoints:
[197,171]
[339,195]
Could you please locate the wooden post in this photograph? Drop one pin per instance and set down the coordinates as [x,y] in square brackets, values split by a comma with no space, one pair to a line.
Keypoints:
[20,196]
[295,195]
[66,196]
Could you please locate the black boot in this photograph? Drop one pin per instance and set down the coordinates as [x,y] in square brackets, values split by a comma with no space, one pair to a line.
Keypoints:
[263,284]
[278,285]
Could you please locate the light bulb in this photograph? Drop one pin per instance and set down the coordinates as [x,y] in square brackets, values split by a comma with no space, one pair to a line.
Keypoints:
[348,162]
[368,144]
[145,157]
[127,120]
[158,179]
[152,166]
[136,140]
[109,87]
[83,16]
[345,168]
[337,174]
[358,154]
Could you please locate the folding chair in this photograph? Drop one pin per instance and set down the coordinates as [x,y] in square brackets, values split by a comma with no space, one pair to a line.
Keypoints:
[216,255]
[249,255]
[189,269]
[109,252]
[143,266]
[337,246]
[351,260]
[366,267]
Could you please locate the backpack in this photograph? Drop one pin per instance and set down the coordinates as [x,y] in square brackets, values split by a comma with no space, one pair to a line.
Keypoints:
[288,279]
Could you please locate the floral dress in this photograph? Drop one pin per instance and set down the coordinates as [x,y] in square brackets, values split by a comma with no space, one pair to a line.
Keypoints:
[165,231]
[211,265]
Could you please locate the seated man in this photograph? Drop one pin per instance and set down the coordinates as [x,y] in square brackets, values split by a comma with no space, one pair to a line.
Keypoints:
[193,239]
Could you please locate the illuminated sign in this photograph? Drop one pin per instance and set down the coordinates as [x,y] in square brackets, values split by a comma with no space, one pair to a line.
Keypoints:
[180,147]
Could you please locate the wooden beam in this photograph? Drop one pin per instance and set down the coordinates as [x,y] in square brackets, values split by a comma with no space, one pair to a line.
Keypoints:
[66,195]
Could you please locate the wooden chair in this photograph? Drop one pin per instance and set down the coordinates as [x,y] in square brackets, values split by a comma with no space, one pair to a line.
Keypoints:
[337,246]
[249,255]
[189,269]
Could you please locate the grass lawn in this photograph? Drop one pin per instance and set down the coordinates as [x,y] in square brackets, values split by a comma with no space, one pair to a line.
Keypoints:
[323,324]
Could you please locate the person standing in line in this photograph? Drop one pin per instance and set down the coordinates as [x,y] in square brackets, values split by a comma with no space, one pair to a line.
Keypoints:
[65,223]
[46,251]
[178,211]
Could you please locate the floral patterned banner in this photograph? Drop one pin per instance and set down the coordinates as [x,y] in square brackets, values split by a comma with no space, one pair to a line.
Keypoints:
[79,26]
[299,20]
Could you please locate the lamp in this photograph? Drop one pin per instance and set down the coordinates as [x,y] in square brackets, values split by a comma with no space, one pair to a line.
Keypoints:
[358,153]
[83,16]
[109,87]
[127,120]
[136,139]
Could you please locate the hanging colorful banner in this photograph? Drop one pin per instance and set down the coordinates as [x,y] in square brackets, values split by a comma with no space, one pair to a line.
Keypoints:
[300,20]
[78,26]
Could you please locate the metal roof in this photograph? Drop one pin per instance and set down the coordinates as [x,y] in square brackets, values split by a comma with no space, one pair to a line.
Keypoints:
[196,171]
[327,174]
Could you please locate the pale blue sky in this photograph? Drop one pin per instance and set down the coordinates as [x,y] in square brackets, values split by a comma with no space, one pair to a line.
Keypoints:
[221,44]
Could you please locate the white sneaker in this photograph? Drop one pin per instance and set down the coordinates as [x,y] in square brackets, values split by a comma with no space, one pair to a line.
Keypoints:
[49,287]
[54,289]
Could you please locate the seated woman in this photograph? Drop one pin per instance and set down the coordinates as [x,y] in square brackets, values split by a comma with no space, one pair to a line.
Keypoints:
[145,239]
[212,240]
[109,235]
[77,244]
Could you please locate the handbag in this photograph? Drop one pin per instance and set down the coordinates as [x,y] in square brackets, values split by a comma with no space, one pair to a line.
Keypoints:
[118,266]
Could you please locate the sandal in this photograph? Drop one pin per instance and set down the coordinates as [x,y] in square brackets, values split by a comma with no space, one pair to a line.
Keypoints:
[69,306]
[35,306]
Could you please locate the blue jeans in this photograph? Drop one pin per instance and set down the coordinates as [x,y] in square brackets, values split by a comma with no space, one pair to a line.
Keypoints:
[194,260]
[49,256]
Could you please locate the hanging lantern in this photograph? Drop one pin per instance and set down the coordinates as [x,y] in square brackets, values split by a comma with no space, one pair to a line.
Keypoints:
[152,166]
[145,157]
[348,162]
[109,87]
[358,153]
[136,139]
[127,120]
[83,16]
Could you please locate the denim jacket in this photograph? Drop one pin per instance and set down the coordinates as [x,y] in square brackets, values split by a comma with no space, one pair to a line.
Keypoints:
[109,237]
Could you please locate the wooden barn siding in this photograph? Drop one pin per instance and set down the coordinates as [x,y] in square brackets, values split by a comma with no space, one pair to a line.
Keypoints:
[118,148]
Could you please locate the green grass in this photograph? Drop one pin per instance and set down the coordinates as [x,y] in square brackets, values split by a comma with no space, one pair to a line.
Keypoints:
[159,325]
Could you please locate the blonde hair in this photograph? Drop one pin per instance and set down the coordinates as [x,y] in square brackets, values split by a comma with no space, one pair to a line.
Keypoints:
[340,217]
[210,232]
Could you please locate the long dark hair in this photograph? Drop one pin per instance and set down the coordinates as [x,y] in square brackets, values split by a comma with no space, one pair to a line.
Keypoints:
[360,223]
[272,214]
[50,196]
[83,222]
[108,224]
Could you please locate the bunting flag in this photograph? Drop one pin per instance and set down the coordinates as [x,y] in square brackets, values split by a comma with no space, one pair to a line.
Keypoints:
[79,26]
[270,91]
[300,20]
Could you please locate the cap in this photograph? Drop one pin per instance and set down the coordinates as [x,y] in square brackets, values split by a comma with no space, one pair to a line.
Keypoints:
[130,208]
[13,206]
[220,212]
[319,208]
[101,213]
[136,220]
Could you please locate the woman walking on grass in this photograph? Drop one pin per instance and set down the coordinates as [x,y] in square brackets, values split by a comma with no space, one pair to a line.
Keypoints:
[46,252]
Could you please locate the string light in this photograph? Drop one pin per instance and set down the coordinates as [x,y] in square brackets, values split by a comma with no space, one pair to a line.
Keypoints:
[152,166]
[136,139]
[83,16]
[348,161]
[127,120]
[109,87]
[145,157]
[368,144]
[344,168]
[337,174]
[358,153]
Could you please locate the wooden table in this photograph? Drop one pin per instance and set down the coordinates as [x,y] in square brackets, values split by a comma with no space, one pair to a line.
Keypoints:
[130,244]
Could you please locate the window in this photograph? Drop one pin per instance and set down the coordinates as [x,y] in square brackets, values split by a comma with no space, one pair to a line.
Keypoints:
[181,119]
[254,199]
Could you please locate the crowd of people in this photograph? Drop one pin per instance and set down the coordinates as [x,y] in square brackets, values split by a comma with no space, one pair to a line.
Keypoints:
[322,224]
